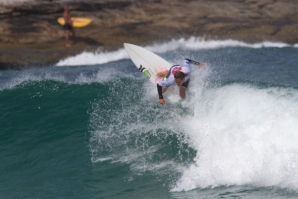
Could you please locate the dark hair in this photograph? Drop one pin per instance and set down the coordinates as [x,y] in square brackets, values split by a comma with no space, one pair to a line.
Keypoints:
[179,75]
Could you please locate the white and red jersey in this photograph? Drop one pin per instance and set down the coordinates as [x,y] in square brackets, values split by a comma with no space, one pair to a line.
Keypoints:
[170,80]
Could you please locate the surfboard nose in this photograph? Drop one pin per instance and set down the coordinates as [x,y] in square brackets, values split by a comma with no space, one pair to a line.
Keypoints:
[126,44]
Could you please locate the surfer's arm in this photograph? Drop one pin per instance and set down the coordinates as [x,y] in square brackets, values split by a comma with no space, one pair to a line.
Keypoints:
[182,92]
[159,90]
[161,99]
[192,61]
[200,64]
[163,86]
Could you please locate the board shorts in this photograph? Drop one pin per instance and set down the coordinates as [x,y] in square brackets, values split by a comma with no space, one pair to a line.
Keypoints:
[67,27]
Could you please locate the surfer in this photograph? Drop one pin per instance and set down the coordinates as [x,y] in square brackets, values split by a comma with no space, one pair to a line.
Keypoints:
[177,75]
[68,27]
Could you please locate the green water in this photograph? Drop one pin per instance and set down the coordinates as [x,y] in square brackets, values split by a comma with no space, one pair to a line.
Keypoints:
[97,131]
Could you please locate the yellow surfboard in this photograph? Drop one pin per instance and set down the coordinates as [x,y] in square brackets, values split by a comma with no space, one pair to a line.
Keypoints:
[77,22]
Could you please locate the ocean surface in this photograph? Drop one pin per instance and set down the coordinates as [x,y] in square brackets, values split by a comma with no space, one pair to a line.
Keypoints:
[91,126]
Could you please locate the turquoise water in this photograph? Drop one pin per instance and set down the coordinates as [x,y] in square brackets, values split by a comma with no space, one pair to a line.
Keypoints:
[96,130]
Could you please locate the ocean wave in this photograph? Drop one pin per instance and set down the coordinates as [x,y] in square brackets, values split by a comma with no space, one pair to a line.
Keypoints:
[239,133]
[92,58]
[192,44]
[73,75]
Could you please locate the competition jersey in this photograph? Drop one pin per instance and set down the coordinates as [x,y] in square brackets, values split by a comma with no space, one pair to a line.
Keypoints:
[185,68]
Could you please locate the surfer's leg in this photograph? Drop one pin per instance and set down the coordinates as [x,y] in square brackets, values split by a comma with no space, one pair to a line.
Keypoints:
[67,33]
[162,73]
[165,74]
[72,32]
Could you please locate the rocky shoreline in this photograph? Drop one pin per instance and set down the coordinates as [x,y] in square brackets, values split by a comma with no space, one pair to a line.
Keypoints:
[30,35]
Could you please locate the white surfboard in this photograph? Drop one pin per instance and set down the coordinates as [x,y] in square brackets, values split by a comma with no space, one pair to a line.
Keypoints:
[147,62]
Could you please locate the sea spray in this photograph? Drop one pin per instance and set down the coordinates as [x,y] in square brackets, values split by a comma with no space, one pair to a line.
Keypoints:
[243,135]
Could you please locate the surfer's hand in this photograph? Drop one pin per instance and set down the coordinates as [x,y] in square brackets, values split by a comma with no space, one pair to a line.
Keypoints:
[201,65]
[162,101]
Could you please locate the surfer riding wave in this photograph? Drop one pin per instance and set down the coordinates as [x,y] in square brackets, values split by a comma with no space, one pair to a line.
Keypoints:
[177,75]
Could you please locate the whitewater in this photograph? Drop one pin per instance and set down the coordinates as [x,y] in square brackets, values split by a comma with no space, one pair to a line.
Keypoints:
[193,43]
[92,121]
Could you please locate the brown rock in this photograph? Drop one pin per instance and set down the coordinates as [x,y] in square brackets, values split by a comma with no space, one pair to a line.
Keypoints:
[28,29]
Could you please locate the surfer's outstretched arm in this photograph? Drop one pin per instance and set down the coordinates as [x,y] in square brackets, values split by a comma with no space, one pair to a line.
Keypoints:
[200,64]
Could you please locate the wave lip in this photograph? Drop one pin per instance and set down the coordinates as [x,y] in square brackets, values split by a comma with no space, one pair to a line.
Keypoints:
[92,58]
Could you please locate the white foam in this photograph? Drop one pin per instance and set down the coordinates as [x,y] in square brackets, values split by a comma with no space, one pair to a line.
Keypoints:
[193,43]
[92,58]
[102,159]
[243,135]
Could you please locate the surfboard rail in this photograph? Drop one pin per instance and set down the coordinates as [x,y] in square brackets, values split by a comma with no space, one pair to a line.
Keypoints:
[77,22]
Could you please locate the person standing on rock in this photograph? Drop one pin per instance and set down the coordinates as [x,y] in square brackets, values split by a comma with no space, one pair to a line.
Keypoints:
[68,27]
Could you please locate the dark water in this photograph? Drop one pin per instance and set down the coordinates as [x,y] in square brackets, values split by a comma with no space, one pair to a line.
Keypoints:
[97,131]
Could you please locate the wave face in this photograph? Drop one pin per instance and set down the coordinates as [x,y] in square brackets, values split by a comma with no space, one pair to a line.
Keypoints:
[98,130]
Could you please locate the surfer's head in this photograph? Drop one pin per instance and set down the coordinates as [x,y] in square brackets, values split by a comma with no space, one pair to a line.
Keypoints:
[179,77]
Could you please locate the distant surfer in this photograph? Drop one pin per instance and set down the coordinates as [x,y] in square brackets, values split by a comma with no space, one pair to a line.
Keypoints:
[177,75]
[68,26]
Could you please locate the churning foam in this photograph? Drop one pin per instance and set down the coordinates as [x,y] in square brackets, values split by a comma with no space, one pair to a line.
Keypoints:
[193,43]
[243,136]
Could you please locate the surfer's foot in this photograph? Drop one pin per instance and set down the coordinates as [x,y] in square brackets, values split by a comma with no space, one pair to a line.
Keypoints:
[68,45]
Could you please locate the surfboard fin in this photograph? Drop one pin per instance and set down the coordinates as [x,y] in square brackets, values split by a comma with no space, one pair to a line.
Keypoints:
[192,61]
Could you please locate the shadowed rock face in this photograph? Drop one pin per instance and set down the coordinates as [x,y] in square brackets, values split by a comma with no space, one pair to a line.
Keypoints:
[28,28]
